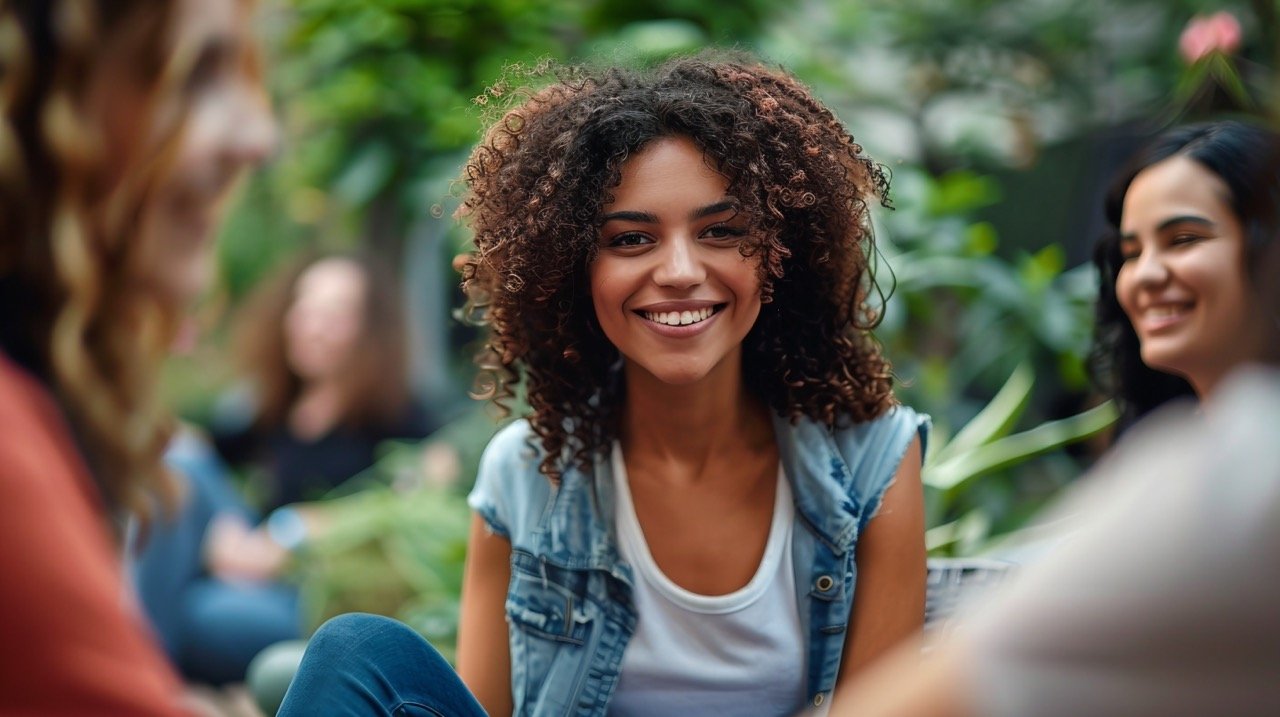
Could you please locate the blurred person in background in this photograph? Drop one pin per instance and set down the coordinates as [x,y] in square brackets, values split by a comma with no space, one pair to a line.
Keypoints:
[324,350]
[124,128]
[324,342]
[212,585]
[1190,218]
[1162,600]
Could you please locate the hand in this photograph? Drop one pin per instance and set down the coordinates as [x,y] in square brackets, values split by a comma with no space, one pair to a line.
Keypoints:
[234,551]
[441,466]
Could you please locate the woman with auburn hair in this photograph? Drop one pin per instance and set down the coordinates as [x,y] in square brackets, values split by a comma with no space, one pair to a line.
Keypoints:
[324,343]
[714,504]
[324,349]
[123,127]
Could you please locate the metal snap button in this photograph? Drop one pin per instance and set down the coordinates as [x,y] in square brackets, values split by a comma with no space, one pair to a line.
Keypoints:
[824,583]
[819,698]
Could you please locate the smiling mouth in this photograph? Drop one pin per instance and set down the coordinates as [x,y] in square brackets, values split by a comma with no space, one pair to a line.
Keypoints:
[1166,311]
[681,318]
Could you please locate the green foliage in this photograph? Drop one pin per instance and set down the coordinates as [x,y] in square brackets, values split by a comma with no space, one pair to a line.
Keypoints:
[990,82]
[394,541]
[959,301]
[380,87]
[965,323]
[391,552]
[985,446]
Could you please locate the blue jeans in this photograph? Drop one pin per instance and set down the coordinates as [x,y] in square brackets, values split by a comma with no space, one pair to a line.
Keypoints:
[211,628]
[358,665]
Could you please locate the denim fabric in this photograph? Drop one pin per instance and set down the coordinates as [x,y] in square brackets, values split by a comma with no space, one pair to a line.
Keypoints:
[210,628]
[360,665]
[569,601]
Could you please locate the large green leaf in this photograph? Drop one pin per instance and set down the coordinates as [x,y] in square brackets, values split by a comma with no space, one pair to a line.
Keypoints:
[994,421]
[961,468]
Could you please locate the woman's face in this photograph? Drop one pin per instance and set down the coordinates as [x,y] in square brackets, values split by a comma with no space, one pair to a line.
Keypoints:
[669,286]
[326,319]
[226,127]
[1182,282]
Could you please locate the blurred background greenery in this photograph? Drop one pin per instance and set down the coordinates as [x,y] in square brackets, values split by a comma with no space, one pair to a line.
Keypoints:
[1000,120]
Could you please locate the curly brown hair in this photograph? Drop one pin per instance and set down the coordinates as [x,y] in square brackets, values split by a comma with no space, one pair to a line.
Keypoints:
[535,188]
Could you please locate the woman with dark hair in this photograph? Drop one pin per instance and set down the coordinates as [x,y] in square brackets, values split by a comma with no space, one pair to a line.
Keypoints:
[714,505]
[323,346]
[123,128]
[1190,217]
[324,342]
[1162,601]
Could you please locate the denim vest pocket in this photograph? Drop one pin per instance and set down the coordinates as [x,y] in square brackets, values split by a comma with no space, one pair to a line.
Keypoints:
[551,625]
[542,600]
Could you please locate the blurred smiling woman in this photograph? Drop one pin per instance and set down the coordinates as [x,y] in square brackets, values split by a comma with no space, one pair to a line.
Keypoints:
[1190,219]
[124,127]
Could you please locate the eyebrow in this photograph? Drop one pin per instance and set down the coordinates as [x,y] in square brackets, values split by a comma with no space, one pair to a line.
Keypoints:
[643,217]
[651,218]
[712,209]
[1173,221]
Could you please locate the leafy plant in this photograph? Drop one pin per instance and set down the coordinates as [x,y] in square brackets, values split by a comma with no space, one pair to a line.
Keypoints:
[986,444]
[389,550]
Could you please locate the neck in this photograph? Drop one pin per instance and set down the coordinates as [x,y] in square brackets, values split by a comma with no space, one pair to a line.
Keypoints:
[691,421]
[317,410]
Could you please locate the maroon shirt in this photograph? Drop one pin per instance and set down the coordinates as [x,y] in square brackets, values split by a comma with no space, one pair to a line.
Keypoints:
[70,642]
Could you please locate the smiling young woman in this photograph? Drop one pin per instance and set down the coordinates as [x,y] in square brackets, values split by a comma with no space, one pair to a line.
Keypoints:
[1191,217]
[714,504]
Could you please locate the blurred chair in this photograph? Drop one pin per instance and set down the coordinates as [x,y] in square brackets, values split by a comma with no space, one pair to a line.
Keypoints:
[953,582]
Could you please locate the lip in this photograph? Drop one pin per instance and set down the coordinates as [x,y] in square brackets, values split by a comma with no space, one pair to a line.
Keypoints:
[686,330]
[1148,323]
[686,305]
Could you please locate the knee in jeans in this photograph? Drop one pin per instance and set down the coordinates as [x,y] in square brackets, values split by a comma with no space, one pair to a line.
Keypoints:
[344,631]
[361,639]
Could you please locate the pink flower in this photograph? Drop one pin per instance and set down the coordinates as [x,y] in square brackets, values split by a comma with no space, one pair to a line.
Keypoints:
[1219,32]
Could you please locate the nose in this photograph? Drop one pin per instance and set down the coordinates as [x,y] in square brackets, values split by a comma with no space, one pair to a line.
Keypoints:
[254,135]
[305,324]
[680,265]
[1149,269]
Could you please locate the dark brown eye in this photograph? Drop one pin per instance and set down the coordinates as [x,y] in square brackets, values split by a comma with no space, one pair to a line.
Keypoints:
[724,231]
[629,239]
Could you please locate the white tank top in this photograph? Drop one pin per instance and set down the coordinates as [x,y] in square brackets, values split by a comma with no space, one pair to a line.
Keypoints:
[713,655]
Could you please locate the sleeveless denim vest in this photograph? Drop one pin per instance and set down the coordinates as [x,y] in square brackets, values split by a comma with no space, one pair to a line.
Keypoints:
[569,607]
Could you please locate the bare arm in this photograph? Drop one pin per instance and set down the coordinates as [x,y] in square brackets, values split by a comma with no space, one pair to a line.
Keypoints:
[484,655]
[904,685]
[889,606]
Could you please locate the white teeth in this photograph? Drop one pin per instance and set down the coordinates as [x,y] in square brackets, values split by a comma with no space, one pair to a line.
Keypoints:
[1165,311]
[679,318]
